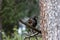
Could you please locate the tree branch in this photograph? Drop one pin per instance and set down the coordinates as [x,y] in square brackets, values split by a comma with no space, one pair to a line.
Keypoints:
[27,25]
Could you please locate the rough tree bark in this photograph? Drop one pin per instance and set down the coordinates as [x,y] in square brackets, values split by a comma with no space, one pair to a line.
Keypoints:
[0,20]
[50,19]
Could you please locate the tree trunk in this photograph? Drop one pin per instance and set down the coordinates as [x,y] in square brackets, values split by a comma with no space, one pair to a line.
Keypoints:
[0,20]
[50,19]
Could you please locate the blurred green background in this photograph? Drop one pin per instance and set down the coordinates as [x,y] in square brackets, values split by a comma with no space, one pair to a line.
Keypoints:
[12,11]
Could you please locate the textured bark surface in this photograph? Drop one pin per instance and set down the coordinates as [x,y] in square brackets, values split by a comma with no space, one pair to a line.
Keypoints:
[50,19]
